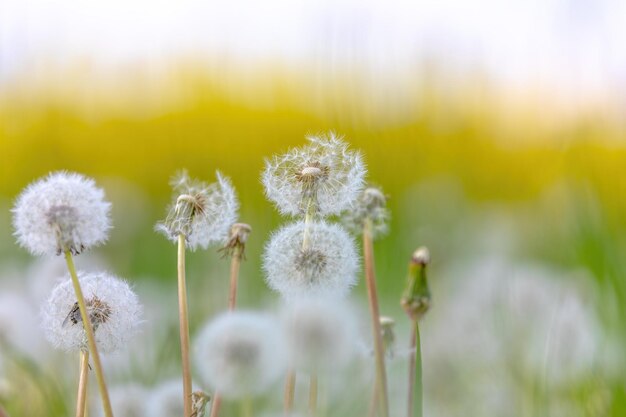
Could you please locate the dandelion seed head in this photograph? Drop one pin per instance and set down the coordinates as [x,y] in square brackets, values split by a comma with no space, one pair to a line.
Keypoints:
[113,307]
[128,400]
[61,211]
[240,353]
[421,256]
[166,399]
[326,267]
[371,204]
[203,213]
[324,177]
[321,334]
[18,325]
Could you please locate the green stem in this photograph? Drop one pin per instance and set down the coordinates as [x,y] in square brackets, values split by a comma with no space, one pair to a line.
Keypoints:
[184,326]
[370,280]
[91,340]
[415,373]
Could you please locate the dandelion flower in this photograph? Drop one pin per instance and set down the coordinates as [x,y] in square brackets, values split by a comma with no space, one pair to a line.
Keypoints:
[240,354]
[128,400]
[59,212]
[202,212]
[321,334]
[371,204]
[113,308]
[323,177]
[326,267]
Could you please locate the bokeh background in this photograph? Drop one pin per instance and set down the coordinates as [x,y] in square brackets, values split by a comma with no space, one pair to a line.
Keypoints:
[496,128]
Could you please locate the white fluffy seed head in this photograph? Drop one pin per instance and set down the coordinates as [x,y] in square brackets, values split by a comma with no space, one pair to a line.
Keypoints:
[323,177]
[128,400]
[321,334]
[61,211]
[112,305]
[371,204]
[202,212]
[327,267]
[241,353]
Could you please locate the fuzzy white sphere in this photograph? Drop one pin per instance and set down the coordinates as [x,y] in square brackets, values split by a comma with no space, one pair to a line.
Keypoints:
[202,212]
[327,267]
[119,308]
[321,334]
[61,211]
[18,318]
[241,353]
[128,400]
[324,172]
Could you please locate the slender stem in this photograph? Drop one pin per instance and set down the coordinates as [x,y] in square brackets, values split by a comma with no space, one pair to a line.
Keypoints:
[313,395]
[290,386]
[91,340]
[235,263]
[246,407]
[373,402]
[184,326]
[370,279]
[415,399]
[81,398]
[216,404]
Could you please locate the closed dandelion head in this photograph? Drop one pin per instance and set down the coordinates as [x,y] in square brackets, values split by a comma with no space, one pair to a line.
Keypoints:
[240,354]
[321,334]
[323,177]
[63,211]
[370,205]
[201,212]
[327,266]
[112,306]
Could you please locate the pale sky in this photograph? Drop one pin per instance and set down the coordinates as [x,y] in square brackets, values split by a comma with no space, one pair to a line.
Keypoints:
[569,45]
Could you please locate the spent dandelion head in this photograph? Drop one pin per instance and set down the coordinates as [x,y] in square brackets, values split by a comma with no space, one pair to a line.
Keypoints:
[323,177]
[201,212]
[370,205]
[237,238]
[240,353]
[63,211]
[326,267]
[321,334]
[113,309]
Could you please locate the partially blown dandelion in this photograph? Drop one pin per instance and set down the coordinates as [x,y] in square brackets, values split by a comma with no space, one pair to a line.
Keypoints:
[323,177]
[112,307]
[371,204]
[326,267]
[202,213]
[63,211]
[240,354]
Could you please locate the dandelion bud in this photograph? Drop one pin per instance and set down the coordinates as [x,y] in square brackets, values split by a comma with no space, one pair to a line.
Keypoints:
[370,205]
[326,267]
[321,334]
[112,307]
[322,178]
[202,212]
[240,354]
[64,211]
[416,299]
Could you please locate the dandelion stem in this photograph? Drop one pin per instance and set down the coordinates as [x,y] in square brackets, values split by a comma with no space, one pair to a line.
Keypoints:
[216,405]
[313,395]
[415,399]
[91,340]
[290,385]
[235,263]
[370,279]
[82,384]
[184,326]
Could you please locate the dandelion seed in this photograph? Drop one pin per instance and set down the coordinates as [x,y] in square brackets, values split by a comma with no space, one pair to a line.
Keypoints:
[323,177]
[327,267]
[202,212]
[371,204]
[114,312]
[321,334]
[59,212]
[240,354]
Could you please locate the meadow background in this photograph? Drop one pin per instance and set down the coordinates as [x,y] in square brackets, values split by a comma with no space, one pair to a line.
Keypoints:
[499,177]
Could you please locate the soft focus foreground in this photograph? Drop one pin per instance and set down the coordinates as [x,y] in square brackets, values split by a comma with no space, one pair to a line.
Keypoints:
[521,207]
